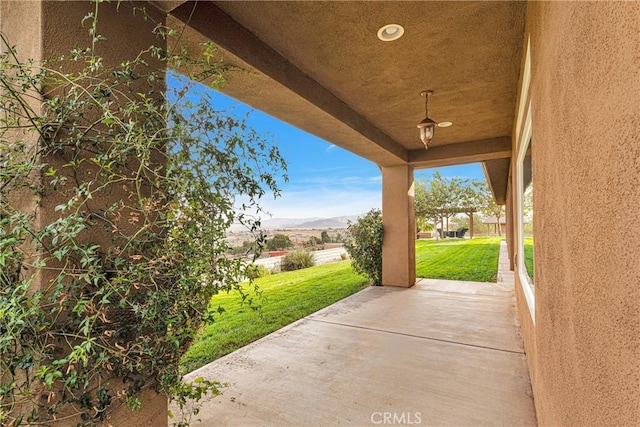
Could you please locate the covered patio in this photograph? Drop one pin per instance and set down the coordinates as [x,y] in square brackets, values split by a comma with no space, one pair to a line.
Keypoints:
[439,353]
[326,70]
[564,74]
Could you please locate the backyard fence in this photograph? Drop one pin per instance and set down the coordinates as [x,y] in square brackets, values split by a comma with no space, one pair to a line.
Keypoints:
[320,257]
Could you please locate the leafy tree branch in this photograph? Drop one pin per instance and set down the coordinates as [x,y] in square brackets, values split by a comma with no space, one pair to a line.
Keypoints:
[115,195]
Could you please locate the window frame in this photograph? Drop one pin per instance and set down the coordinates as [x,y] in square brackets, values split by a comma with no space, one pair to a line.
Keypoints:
[523,140]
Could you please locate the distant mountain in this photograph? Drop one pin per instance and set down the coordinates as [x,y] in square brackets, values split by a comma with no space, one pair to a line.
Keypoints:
[285,223]
[304,223]
[335,222]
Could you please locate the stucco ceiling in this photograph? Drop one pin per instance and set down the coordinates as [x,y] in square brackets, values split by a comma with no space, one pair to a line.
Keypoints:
[166,5]
[321,67]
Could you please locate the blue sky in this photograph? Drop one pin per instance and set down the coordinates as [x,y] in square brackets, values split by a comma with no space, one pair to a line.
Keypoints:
[324,179]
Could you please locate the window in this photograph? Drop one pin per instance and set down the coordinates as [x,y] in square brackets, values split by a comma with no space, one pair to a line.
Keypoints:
[523,197]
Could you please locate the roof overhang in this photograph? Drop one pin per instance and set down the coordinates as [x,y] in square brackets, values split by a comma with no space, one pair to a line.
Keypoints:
[166,5]
[320,67]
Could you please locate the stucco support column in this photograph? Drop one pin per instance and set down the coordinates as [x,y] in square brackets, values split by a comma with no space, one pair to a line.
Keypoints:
[43,30]
[511,221]
[399,222]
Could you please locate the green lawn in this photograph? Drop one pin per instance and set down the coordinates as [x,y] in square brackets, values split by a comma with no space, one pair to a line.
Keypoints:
[286,297]
[458,259]
[528,255]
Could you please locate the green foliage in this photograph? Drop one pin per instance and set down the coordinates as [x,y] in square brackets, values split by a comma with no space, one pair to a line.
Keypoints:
[297,260]
[475,260]
[287,297]
[279,242]
[324,237]
[364,245]
[290,296]
[488,204]
[527,201]
[464,221]
[528,255]
[112,276]
[248,247]
[314,241]
[255,271]
[423,224]
[442,198]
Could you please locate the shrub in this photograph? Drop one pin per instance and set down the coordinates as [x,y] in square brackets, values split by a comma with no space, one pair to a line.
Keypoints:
[255,271]
[279,242]
[343,257]
[113,275]
[364,245]
[297,260]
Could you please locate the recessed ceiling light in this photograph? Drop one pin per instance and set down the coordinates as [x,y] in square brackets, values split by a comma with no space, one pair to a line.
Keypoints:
[444,124]
[390,32]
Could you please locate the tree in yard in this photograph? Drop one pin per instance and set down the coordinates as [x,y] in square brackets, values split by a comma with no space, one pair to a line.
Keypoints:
[324,237]
[429,200]
[279,242]
[527,201]
[454,190]
[470,203]
[421,204]
[471,224]
[527,209]
[313,241]
[441,198]
[488,204]
[248,247]
[423,224]
[364,245]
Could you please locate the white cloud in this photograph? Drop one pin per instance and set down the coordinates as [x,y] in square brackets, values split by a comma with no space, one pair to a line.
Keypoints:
[322,203]
[330,148]
[325,194]
[334,181]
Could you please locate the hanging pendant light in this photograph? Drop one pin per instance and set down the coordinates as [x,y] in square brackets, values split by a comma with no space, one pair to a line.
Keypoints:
[427,126]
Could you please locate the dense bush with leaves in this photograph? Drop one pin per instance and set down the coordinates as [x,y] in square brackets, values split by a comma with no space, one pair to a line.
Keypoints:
[364,245]
[256,271]
[279,242]
[297,260]
[114,201]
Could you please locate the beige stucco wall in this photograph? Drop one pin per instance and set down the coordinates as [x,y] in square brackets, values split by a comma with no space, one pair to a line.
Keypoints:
[399,227]
[46,30]
[22,32]
[127,35]
[584,350]
[26,34]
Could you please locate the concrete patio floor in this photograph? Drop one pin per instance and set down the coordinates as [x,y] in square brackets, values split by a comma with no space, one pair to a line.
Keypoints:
[441,353]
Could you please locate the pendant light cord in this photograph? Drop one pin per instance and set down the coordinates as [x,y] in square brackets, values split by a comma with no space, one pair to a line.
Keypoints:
[426,103]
